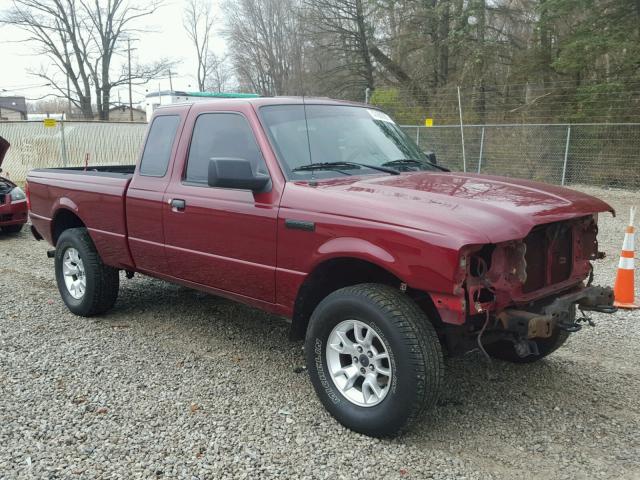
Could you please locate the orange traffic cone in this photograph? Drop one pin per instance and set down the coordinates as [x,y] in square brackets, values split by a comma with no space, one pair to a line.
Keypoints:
[624,289]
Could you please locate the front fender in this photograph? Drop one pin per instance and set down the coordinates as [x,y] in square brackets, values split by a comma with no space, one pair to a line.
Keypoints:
[419,266]
[351,247]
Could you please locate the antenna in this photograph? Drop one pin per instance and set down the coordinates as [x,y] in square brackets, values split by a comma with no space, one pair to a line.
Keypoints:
[306,125]
[304,109]
[464,157]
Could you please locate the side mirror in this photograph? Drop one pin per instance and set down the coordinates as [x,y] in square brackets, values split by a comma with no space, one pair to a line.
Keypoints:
[235,173]
[431,156]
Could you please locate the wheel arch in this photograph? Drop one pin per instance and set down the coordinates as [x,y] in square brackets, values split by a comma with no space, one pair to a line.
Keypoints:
[342,271]
[64,219]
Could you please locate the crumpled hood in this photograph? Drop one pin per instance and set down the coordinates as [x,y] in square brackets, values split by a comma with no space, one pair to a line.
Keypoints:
[475,208]
[4,147]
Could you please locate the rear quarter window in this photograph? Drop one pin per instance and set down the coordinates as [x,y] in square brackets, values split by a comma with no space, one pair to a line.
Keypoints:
[157,150]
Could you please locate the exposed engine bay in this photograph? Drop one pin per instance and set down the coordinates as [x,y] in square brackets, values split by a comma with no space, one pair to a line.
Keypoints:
[5,187]
[528,289]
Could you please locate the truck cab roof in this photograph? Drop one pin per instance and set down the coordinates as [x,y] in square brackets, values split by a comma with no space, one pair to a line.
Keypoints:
[262,101]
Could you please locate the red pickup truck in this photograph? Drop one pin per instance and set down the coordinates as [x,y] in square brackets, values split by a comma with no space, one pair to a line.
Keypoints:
[326,213]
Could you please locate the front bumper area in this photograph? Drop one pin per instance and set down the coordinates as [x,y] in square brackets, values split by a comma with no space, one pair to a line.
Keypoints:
[559,313]
[13,213]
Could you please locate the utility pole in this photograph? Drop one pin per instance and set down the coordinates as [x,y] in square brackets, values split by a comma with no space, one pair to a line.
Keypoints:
[170,81]
[64,41]
[129,61]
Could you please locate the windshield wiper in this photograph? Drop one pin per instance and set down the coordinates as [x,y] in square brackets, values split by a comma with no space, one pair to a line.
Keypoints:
[413,161]
[333,165]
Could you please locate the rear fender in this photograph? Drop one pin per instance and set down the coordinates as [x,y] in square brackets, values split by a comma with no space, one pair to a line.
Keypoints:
[45,225]
[113,249]
[66,204]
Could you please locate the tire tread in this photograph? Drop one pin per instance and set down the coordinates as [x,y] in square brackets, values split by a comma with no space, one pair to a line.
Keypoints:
[107,281]
[421,340]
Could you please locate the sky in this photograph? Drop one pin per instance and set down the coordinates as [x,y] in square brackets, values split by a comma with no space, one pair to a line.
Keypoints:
[167,39]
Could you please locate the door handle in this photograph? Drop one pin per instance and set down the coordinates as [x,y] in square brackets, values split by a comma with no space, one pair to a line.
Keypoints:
[177,204]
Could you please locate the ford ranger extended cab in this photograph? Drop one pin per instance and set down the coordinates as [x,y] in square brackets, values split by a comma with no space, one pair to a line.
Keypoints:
[326,213]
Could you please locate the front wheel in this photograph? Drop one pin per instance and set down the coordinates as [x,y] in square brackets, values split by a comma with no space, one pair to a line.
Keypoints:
[87,286]
[374,359]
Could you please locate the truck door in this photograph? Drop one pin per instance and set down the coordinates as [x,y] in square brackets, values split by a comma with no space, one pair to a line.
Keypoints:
[144,199]
[222,238]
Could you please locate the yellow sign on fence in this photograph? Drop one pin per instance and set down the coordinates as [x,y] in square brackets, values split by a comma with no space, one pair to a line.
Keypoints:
[50,122]
[428,122]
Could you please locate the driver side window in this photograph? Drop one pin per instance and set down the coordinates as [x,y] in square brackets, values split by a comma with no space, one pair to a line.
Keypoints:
[221,135]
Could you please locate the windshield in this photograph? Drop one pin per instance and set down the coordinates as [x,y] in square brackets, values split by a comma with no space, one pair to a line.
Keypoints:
[338,133]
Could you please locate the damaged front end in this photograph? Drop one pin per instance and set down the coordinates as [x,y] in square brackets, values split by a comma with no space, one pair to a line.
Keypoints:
[526,290]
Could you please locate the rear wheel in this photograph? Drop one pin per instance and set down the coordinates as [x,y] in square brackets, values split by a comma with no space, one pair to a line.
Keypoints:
[374,358]
[87,286]
[12,228]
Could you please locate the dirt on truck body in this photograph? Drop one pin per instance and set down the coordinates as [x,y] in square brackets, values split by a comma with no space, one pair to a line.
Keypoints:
[326,213]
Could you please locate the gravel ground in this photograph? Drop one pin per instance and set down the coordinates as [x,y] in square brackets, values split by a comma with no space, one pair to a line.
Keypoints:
[177,384]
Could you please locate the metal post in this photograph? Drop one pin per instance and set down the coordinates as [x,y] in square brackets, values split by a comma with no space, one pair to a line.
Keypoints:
[418,136]
[63,145]
[464,157]
[481,148]
[566,156]
[367,93]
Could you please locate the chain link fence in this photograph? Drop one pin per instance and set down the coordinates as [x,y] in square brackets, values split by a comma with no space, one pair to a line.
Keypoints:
[592,154]
[68,144]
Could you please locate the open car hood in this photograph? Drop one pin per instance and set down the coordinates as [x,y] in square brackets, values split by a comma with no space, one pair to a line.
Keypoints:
[4,147]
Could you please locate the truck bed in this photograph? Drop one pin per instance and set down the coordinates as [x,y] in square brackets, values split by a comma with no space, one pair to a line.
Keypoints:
[96,195]
[116,171]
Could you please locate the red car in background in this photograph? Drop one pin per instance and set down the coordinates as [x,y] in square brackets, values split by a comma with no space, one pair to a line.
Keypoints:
[13,201]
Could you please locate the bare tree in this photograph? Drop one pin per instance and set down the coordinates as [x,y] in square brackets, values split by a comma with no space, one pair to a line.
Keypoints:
[56,30]
[108,25]
[266,45]
[81,38]
[220,74]
[198,22]
[342,28]
[537,59]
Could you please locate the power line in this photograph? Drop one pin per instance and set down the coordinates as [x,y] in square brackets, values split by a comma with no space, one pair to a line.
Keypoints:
[20,88]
